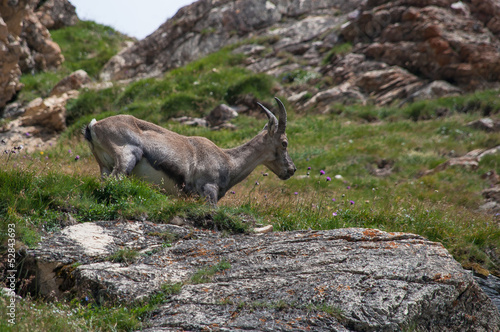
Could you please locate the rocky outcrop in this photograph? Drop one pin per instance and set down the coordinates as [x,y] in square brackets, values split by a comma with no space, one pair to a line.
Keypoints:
[435,39]
[56,14]
[36,125]
[40,52]
[207,25]
[25,42]
[401,50]
[11,18]
[345,279]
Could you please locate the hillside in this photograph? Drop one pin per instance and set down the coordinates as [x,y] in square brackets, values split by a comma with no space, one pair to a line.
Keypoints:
[383,136]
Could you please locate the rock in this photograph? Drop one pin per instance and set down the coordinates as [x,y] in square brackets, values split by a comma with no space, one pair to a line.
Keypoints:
[485,124]
[263,229]
[344,93]
[469,161]
[383,168]
[25,44]
[189,121]
[74,81]
[430,39]
[11,18]
[56,14]
[49,113]
[344,279]
[436,89]
[13,110]
[42,52]
[491,286]
[220,115]
[298,97]
[425,49]
[492,194]
[491,176]
[388,84]
[205,26]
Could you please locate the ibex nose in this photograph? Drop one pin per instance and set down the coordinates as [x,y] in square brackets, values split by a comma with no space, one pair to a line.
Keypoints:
[291,171]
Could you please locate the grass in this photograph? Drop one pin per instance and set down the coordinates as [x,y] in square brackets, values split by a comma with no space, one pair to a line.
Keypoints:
[87,46]
[38,190]
[205,275]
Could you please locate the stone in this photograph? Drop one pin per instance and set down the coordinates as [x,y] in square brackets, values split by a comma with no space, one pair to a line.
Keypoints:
[43,52]
[49,113]
[220,115]
[486,124]
[184,37]
[469,161]
[344,93]
[13,110]
[434,39]
[345,279]
[263,229]
[189,121]
[56,14]
[388,84]
[492,194]
[436,89]
[74,81]
[11,22]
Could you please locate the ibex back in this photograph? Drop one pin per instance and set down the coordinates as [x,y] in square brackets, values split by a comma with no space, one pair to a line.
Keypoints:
[125,145]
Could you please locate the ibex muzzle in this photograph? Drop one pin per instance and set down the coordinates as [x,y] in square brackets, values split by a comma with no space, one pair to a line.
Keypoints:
[125,145]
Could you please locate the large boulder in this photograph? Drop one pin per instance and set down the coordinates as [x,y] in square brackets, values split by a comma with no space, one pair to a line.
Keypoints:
[48,113]
[74,81]
[11,18]
[25,45]
[342,280]
[56,14]
[40,51]
[435,39]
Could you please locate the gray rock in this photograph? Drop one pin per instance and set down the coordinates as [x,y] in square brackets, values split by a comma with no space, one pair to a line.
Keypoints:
[220,115]
[436,89]
[56,14]
[486,124]
[340,280]
[73,81]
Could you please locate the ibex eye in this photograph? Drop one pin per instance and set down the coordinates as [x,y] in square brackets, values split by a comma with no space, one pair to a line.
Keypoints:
[285,144]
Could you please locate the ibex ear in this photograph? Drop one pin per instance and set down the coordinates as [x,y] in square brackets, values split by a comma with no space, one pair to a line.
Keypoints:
[272,125]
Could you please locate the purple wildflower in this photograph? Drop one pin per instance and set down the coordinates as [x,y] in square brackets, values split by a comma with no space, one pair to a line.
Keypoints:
[348,187]
[334,214]
[328,178]
[322,172]
[28,134]
[309,168]
[333,199]
[77,157]
[295,193]
[352,202]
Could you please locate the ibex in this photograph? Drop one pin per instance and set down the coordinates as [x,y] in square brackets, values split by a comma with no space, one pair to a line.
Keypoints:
[125,145]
